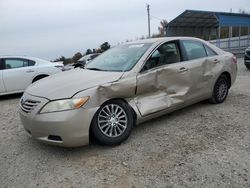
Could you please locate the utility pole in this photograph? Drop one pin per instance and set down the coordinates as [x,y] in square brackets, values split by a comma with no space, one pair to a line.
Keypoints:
[148,10]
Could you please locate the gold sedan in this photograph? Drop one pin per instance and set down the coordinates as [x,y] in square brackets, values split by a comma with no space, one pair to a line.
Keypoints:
[127,84]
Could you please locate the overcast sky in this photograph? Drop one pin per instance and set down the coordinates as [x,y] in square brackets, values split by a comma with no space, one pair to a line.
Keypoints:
[52,28]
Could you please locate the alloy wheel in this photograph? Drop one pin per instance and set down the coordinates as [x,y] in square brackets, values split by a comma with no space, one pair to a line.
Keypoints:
[112,120]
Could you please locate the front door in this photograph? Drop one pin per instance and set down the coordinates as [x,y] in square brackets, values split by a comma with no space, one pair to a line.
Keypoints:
[201,68]
[164,81]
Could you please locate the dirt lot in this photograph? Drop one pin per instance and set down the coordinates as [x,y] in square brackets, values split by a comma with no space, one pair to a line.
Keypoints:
[202,145]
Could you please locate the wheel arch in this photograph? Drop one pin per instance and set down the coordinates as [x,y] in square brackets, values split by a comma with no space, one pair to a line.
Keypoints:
[125,101]
[227,74]
[39,76]
[91,136]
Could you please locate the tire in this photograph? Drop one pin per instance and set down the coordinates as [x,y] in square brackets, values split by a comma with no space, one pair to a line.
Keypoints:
[248,67]
[112,123]
[39,78]
[220,90]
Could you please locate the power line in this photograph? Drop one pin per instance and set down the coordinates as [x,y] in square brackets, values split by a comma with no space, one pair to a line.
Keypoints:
[155,17]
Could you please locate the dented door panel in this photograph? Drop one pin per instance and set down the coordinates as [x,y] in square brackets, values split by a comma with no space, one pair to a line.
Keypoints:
[162,88]
[201,76]
[174,84]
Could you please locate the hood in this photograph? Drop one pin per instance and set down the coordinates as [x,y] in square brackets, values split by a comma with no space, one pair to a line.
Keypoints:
[66,84]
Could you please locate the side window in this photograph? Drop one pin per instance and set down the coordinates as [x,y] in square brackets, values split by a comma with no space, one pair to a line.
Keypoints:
[1,65]
[15,63]
[166,54]
[32,63]
[194,49]
[209,51]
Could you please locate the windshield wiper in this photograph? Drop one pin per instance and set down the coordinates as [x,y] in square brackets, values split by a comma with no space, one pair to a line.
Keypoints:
[94,69]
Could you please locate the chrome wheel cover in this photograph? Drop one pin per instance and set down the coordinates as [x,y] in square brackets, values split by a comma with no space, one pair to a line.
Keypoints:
[112,120]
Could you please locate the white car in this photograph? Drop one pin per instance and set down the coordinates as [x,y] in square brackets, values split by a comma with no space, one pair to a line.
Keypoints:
[18,72]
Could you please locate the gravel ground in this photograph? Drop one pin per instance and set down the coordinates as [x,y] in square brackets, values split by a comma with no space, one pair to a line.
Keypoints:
[202,145]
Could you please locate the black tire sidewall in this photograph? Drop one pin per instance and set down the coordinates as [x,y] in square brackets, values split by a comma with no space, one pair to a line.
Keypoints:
[103,139]
[215,97]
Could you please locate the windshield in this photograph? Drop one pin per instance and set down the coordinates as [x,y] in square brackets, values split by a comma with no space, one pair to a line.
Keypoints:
[120,58]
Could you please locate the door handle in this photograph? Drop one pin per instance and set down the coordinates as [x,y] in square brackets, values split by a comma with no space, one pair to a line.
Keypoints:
[216,61]
[182,69]
[28,71]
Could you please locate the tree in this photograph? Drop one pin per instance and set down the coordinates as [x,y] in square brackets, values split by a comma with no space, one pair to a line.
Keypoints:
[105,46]
[89,51]
[98,50]
[62,58]
[76,57]
[162,28]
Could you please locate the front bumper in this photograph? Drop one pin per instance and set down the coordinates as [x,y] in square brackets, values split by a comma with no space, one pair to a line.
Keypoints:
[247,60]
[66,128]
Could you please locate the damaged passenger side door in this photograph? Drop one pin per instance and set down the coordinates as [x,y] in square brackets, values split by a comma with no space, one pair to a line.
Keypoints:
[164,81]
[200,64]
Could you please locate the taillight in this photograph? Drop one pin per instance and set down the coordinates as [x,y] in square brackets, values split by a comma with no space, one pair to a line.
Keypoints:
[234,59]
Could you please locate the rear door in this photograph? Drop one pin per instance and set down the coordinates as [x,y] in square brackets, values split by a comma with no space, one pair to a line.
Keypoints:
[200,67]
[2,88]
[214,64]
[18,73]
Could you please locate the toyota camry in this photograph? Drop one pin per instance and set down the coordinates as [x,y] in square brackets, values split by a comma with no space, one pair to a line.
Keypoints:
[124,86]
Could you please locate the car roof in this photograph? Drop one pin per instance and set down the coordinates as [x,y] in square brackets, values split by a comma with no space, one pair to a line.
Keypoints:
[25,57]
[161,39]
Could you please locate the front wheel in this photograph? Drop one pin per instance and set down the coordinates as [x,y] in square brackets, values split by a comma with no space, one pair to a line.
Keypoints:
[113,123]
[220,91]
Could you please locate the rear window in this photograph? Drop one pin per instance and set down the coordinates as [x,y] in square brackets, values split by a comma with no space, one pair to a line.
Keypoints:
[32,63]
[194,49]
[12,63]
[15,63]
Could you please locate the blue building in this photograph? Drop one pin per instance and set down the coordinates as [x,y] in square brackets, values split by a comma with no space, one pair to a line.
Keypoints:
[207,24]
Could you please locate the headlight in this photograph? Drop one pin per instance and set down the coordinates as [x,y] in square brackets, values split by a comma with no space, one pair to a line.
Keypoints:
[62,105]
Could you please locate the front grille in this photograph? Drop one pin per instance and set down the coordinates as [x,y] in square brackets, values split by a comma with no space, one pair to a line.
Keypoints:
[28,105]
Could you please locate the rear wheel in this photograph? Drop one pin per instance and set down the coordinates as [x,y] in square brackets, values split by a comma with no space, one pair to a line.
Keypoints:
[220,91]
[112,123]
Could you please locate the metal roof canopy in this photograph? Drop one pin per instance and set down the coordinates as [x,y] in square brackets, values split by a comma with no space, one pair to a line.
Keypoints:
[204,23]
